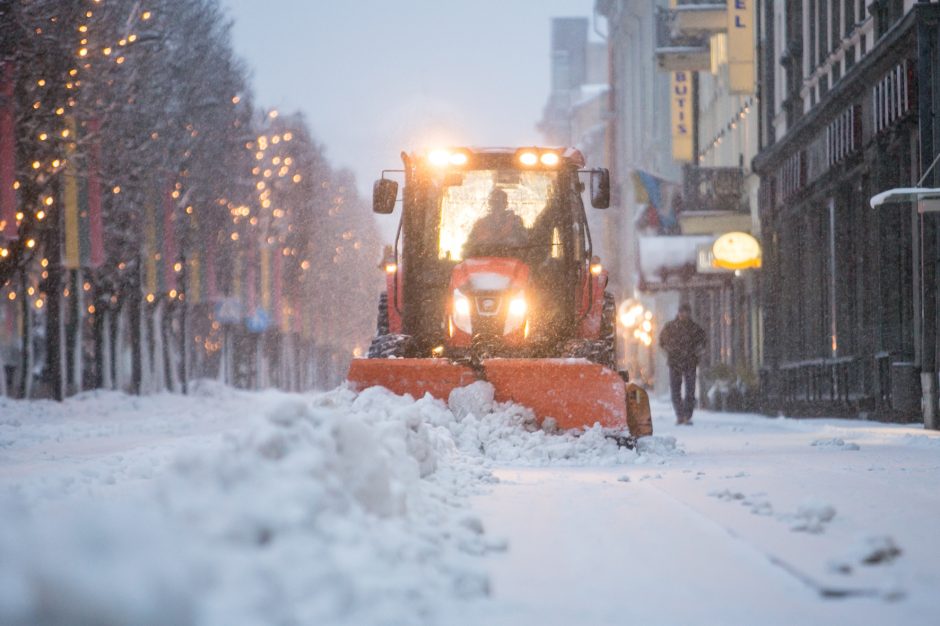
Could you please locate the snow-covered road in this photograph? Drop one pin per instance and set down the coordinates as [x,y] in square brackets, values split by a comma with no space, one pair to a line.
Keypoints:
[760,521]
[230,507]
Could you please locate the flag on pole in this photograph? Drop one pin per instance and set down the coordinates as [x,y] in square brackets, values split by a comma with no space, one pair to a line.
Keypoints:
[237,275]
[93,194]
[265,253]
[251,286]
[194,293]
[81,206]
[194,281]
[72,250]
[277,295]
[153,234]
[211,286]
[170,254]
[7,151]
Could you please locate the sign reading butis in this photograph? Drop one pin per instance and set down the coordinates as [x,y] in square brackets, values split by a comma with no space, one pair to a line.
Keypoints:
[736,251]
[682,128]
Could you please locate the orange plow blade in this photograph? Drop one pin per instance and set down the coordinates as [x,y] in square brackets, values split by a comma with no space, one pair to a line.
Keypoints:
[575,393]
[412,376]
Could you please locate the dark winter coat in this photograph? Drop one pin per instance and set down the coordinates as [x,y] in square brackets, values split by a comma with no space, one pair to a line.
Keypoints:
[683,340]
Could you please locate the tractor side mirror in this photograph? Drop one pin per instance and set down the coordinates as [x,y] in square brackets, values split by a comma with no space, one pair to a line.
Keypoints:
[384,194]
[600,188]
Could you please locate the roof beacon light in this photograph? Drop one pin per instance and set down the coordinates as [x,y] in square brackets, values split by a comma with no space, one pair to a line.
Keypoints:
[549,159]
[439,158]
[528,158]
[458,158]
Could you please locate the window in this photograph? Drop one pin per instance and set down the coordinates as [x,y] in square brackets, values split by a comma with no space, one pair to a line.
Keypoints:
[465,195]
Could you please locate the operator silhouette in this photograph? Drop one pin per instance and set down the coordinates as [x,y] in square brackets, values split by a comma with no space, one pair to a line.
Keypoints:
[499,231]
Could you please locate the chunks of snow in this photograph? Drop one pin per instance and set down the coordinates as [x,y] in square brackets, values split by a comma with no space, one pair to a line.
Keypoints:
[835,442]
[869,550]
[475,399]
[812,516]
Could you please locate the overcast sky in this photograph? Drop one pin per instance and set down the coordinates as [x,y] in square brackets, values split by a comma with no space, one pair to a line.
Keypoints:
[377,77]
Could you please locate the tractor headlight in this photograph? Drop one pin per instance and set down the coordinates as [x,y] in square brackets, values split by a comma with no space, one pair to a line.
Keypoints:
[516,314]
[461,314]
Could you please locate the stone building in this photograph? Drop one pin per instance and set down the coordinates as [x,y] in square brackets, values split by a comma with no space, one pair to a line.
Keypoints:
[849,98]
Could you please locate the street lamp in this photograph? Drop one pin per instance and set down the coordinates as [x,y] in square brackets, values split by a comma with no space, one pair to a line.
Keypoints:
[927,199]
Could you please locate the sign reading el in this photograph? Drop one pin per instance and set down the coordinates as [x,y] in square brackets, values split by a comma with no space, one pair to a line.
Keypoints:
[682,121]
[741,51]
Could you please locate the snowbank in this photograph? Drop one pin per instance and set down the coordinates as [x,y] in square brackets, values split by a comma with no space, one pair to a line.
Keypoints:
[297,509]
[229,507]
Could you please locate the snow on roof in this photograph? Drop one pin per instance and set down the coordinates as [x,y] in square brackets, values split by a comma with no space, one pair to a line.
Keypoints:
[665,252]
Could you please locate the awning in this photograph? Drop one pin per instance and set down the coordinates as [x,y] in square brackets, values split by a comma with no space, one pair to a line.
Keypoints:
[927,199]
[669,262]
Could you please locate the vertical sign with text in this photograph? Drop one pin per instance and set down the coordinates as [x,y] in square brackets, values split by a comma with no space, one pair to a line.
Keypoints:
[682,122]
[741,52]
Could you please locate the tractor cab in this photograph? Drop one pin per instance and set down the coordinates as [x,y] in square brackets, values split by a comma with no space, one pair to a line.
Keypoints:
[493,251]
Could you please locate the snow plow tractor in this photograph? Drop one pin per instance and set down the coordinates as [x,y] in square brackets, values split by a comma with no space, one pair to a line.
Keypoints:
[493,277]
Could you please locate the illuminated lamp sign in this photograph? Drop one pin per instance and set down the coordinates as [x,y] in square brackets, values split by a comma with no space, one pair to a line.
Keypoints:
[736,251]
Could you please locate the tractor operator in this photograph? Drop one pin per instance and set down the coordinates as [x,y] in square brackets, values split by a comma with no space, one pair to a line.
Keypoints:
[498,231]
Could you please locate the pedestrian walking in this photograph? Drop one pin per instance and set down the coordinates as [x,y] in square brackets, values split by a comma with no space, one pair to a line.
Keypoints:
[683,340]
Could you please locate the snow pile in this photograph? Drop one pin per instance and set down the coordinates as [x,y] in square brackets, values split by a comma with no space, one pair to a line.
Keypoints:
[921,441]
[869,550]
[835,442]
[319,510]
[812,517]
[757,503]
[509,434]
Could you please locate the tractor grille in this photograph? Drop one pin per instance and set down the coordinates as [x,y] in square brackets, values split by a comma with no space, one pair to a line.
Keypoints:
[489,305]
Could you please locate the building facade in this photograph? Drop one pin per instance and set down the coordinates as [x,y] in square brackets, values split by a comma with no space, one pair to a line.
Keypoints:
[849,93]
[683,136]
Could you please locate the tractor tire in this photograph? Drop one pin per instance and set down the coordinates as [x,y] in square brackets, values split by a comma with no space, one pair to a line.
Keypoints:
[381,324]
[389,346]
[608,332]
